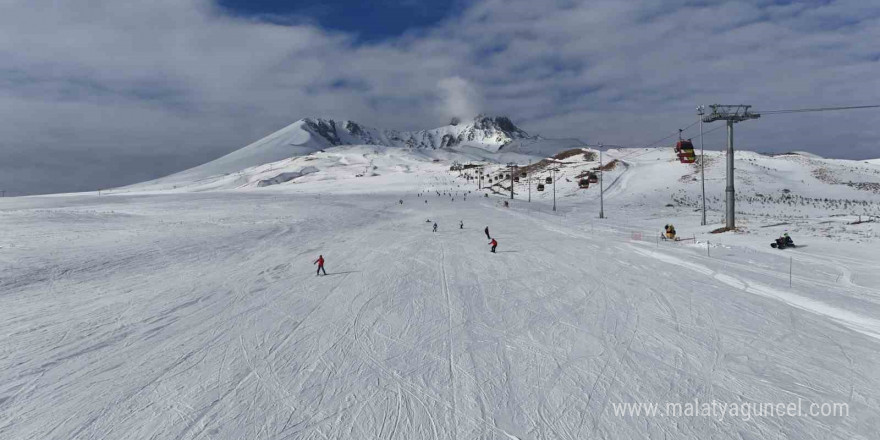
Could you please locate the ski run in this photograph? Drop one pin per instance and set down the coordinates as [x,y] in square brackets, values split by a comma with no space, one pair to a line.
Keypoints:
[189,307]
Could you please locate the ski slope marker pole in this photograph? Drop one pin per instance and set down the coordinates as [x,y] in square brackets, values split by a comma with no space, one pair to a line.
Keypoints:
[790,260]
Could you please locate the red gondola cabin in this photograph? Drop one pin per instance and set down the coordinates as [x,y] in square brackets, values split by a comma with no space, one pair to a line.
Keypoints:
[684,149]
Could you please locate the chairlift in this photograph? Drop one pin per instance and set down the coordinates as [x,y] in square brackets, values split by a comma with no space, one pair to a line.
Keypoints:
[593,178]
[548,180]
[584,183]
[540,187]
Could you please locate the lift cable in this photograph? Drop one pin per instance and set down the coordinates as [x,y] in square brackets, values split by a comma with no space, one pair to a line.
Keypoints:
[633,154]
[678,132]
[819,109]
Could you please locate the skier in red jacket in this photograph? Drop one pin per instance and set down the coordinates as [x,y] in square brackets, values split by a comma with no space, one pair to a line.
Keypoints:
[320,263]
[494,244]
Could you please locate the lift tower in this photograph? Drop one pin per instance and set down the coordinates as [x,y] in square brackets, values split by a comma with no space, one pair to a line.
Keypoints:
[512,166]
[732,114]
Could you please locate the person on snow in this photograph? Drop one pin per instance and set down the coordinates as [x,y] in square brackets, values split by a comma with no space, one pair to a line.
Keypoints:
[487,233]
[320,263]
[670,232]
[494,244]
[784,241]
[461,224]
[780,243]
[435,227]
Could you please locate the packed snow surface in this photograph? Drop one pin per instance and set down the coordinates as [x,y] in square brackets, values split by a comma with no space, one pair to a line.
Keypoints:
[192,310]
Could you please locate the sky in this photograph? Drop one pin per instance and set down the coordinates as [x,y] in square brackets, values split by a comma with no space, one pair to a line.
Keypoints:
[101,93]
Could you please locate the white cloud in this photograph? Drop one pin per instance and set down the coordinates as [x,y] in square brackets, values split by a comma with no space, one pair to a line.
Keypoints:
[460,98]
[157,86]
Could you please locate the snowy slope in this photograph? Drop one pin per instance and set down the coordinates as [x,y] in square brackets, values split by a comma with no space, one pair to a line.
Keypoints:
[197,315]
[187,308]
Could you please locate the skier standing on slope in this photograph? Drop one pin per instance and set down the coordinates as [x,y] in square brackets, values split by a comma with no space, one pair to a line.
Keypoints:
[494,244]
[461,224]
[320,263]
[435,226]
[487,233]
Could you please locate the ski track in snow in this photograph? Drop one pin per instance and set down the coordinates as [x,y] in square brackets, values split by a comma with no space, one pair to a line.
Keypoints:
[855,321]
[198,316]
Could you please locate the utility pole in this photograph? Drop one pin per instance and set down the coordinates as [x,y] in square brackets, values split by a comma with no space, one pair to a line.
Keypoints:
[479,171]
[529,180]
[732,114]
[601,186]
[512,167]
[554,170]
[700,111]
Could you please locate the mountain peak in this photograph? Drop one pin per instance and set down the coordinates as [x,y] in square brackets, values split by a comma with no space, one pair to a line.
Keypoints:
[485,132]
[501,123]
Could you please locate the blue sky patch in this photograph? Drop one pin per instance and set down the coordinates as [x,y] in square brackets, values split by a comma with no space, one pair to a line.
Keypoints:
[373,20]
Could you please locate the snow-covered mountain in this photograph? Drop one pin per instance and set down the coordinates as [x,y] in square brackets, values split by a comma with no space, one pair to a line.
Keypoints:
[344,156]
[484,134]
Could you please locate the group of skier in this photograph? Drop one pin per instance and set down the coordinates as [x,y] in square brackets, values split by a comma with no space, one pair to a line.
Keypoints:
[492,242]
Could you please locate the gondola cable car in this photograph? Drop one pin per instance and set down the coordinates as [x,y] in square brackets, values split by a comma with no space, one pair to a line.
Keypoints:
[684,149]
